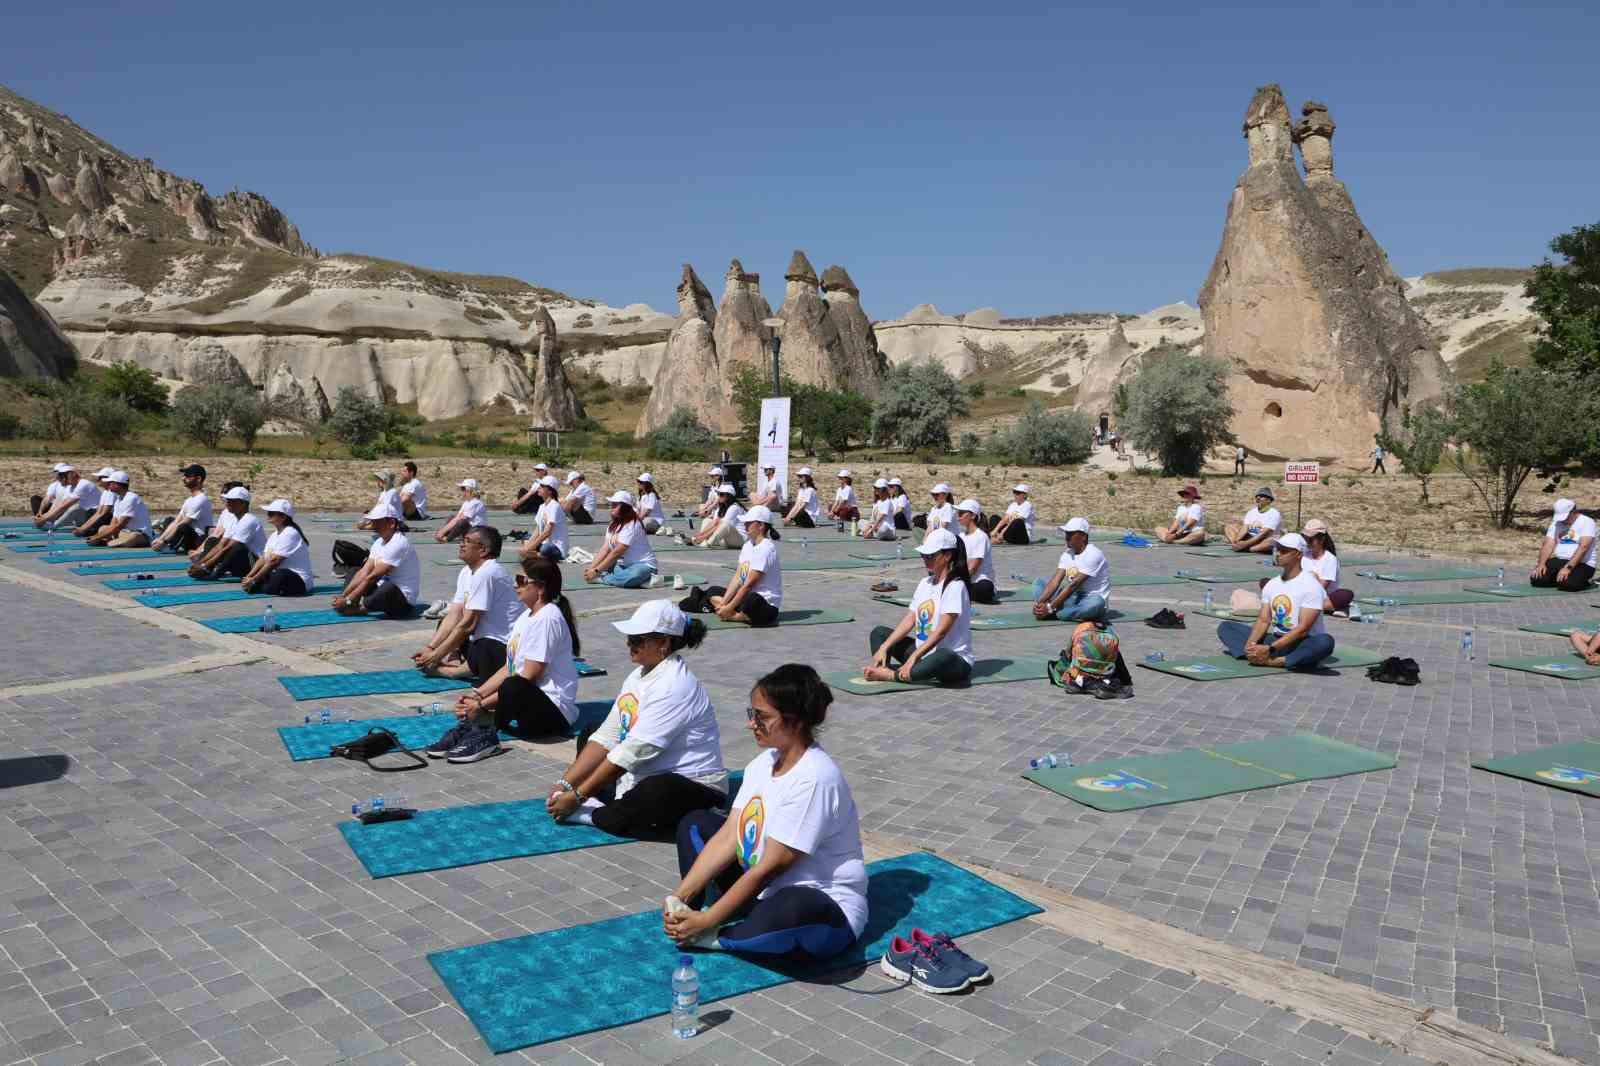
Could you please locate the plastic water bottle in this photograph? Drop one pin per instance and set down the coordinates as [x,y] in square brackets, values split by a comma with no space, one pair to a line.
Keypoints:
[1500,577]
[685,999]
[1050,760]
[1466,644]
[1021,578]
[269,621]
[1156,657]
[393,801]
[1208,599]
[1384,601]
[899,551]
[1368,619]
[323,717]
[805,548]
[430,708]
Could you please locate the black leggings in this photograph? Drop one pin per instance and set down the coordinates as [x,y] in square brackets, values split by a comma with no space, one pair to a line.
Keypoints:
[94,526]
[801,923]
[983,591]
[901,521]
[282,582]
[187,541]
[485,657]
[580,516]
[1016,532]
[387,599]
[236,561]
[535,714]
[652,808]
[803,520]
[1579,579]
[940,666]
[35,504]
[756,608]
[528,506]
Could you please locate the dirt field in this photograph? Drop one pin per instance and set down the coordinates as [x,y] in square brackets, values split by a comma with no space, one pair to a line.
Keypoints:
[1368,510]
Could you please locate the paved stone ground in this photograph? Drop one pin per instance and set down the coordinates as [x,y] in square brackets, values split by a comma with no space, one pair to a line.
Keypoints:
[182,895]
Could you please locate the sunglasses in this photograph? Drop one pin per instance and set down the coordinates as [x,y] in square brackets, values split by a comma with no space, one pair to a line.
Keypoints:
[638,640]
[757,717]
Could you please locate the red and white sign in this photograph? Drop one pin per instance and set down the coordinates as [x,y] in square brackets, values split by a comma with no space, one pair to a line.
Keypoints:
[1302,473]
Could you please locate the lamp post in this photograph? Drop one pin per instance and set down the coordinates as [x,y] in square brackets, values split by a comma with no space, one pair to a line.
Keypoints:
[775,325]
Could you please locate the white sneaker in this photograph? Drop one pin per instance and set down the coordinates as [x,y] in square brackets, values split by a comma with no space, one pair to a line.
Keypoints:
[655,581]
[678,583]
[437,609]
[665,531]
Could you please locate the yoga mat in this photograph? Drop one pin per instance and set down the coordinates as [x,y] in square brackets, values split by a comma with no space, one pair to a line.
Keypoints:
[614,972]
[811,616]
[1420,599]
[90,554]
[222,595]
[1569,667]
[416,731]
[251,623]
[1247,576]
[1225,553]
[1026,620]
[166,581]
[580,585]
[1133,580]
[1001,594]
[448,837]
[984,672]
[1250,616]
[792,565]
[1227,668]
[383,682]
[149,566]
[1574,767]
[1519,592]
[1200,773]
[1428,575]
[1564,629]
[9,537]
[885,557]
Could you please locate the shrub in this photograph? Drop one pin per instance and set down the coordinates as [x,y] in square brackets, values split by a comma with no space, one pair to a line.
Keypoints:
[247,413]
[1040,438]
[10,426]
[358,419]
[106,419]
[681,438]
[916,406]
[1419,444]
[200,413]
[969,444]
[58,413]
[139,388]
[1178,410]
[1514,421]
[366,452]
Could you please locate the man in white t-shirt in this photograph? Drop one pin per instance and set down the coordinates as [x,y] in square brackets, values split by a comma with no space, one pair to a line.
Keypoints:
[1016,525]
[1259,528]
[237,550]
[580,502]
[1080,589]
[51,495]
[187,529]
[471,638]
[470,514]
[771,493]
[76,500]
[1288,634]
[1567,555]
[101,514]
[413,494]
[130,518]
[1188,525]
[390,579]
[529,501]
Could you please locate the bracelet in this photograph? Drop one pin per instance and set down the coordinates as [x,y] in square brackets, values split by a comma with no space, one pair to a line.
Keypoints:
[578,794]
[565,786]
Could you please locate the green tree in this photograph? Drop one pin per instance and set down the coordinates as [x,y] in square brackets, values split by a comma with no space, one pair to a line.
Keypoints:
[916,407]
[1567,297]
[681,438]
[200,413]
[57,410]
[131,383]
[1178,410]
[358,419]
[1513,422]
[1043,438]
[1419,443]
[815,414]
[106,419]
[247,413]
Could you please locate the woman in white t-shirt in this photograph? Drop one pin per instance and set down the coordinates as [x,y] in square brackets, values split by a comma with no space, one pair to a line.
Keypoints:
[625,559]
[658,754]
[844,507]
[472,512]
[1016,525]
[1321,561]
[979,549]
[755,592]
[651,514]
[905,516]
[535,694]
[1188,525]
[942,513]
[549,523]
[724,526]
[284,568]
[1567,554]
[880,525]
[807,507]
[933,642]
[787,859]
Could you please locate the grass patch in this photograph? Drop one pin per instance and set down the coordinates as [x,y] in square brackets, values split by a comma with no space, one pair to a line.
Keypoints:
[292,293]
[483,314]
[1510,342]
[445,283]
[1441,305]
[577,343]
[258,269]
[1481,276]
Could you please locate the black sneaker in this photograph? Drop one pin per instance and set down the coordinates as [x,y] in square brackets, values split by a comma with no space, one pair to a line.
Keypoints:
[441,747]
[1112,689]
[1166,618]
[1409,673]
[477,743]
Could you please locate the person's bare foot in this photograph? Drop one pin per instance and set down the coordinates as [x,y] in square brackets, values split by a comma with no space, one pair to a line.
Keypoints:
[878,673]
[455,670]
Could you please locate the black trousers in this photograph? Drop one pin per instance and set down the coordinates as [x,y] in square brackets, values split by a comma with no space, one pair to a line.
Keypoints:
[803,520]
[528,506]
[1579,580]
[755,608]
[236,561]
[349,554]
[525,712]
[983,591]
[485,657]
[282,582]
[652,808]
[96,525]
[34,504]
[901,521]
[387,600]
[1016,533]
[939,666]
[580,516]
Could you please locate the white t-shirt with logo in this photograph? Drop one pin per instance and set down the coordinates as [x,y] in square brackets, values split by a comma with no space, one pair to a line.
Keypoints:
[585,492]
[1325,568]
[543,637]
[635,545]
[1257,521]
[942,516]
[929,602]
[196,510]
[650,507]
[764,558]
[1190,512]
[1567,540]
[400,555]
[775,488]
[489,591]
[293,552]
[473,510]
[1094,567]
[846,494]
[1023,511]
[249,531]
[551,515]
[810,810]
[980,559]
[419,495]
[669,709]
[809,503]
[130,506]
[1286,600]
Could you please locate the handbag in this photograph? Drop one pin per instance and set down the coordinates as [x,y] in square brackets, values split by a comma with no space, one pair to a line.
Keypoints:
[378,741]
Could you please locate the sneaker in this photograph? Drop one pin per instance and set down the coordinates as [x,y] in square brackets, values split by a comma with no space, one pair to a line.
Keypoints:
[441,747]
[1410,673]
[437,609]
[1166,618]
[924,968]
[1112,689]
[679,538]
[885,586]
[943,943]
[476,743]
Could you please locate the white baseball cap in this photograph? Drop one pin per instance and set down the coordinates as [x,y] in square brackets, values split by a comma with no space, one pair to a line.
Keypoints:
[621,496]
[880,484]
[646,478]
[540,466]
[1077,524]
[468,483]
[238,492]
[383,510]
[657,616]
[769,466]
[119,476]
[549,481]
[63,468]
[726,488]
[1563,509]
[715,471]
[758,513]
[970,506]
[104,472]
[1292,541]
[940,540]
[574,475]
[281,506]
[896,482]
[844,473]
[1022,488]
[806,470]
[940,487]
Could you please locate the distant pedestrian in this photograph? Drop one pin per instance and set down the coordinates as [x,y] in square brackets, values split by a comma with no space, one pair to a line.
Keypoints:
[1377,460]
[1238,461]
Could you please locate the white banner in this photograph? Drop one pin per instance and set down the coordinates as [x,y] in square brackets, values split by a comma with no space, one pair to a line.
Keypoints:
[774,450]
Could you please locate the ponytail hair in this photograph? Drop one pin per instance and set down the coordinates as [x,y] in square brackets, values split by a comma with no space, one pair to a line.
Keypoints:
[1327,544]
[292,524]
[958,567]
[548,575]
[693,633]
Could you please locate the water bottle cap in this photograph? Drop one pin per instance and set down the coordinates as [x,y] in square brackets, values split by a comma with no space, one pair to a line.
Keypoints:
[686,960]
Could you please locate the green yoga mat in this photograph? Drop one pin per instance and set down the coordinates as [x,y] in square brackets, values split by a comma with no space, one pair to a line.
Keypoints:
[1224,553]
[1574,767]
[1568,667]
[1521,592]
[799,617]
[1247,576]
[1227,668]
[1026,620]
[1002,594]
[984,672]
[1200,773]
[1461,574]
[580,585]
[1564,629]
[793,565]
[1422,599]
[1123,581]
[614,972]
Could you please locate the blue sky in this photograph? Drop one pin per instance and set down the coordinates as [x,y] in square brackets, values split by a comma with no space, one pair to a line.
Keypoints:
[1033,157]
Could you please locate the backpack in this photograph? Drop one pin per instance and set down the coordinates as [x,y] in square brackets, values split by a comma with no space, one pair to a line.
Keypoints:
[378,741]
[1094,653]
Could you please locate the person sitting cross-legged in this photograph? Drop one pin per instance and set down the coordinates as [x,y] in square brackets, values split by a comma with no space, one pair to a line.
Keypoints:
[723,527]
[626,559]
[941,513]
[787,859]
[770,492]
[391,577]
[187,529]
[1321,561]
[980,551]
[549,524]
[470,640]
[529,501]
[1289,633]
[1080,589]
[1016,525]
[755,592]
[580,502]
[1188,525]
[880,525]
[1567,554]
[933,641]
[470,515]
[651,514]
[844,507]
[413,494]
[807,509]
[237,550]
[284,568]
[130,518]
[1259,527]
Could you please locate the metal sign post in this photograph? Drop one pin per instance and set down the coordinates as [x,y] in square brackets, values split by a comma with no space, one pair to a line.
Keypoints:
[1301,474]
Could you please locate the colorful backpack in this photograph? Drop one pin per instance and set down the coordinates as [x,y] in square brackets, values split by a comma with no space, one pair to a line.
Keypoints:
[1093,653]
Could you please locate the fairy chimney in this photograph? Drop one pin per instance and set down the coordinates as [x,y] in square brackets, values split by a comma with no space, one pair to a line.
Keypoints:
[555,403]
[689,375]
[863,365]
[741,339]
[813,351]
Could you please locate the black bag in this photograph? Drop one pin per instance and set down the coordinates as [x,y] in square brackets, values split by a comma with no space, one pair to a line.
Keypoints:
[378,741]
[348,554]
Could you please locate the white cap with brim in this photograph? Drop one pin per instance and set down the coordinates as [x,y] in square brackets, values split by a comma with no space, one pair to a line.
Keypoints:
[119,476]
[540,466]
[63,468]
[1290,542]
[574,476]
[941,487]
[238,492]
[104,472]
[657,616]
[1076,525]
[646,478]
[970,506]
[549,481]
[806,470]
[1022,488]
[1564,509]
[281,506]
[895,482]
[758,513]
[940,540]
[382,511]
[469,483]
[715,471]
[726,489]
[844,473]
[880,484]
[621,496]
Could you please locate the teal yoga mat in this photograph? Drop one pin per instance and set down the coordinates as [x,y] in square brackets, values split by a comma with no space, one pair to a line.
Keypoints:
[984,672]
[313,739]
[251,623]
[1521,592]
[812,616]
[149,566]
[614,972]
[1574,767]
[449,837]
[1564,629]
[382,682]
[165,581]
[91,554]
[223,595]
[1227,668]
[1568,667]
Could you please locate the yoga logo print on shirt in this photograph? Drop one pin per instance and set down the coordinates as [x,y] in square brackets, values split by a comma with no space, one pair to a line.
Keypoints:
[752,825]
[925,614]
[742,573]
[627,714]
[1282,614]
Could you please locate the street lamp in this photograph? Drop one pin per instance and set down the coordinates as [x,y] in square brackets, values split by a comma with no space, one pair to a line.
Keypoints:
[775,325]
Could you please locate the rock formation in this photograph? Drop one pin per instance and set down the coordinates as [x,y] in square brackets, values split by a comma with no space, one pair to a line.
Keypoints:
[17,177]
[60,187]
[812,350]
[1109,365]
[90,187]
[862,365]
[690,375]
[555,403]
[290,398]
[1313,377]
[30,343]
[742,341]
